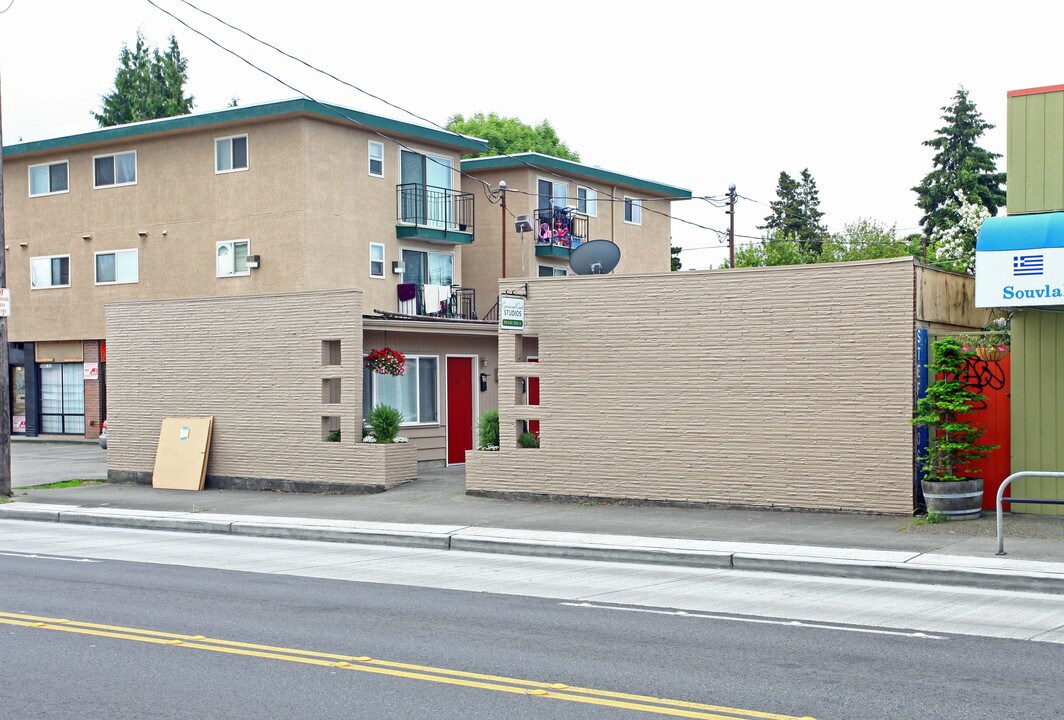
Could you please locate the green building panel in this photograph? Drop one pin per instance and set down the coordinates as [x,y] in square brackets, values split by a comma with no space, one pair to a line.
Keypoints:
[1037,395]
[1035,153]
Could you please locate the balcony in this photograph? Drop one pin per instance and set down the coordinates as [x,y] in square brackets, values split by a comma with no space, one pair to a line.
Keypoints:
[433,214]
[559,230]
[440,301]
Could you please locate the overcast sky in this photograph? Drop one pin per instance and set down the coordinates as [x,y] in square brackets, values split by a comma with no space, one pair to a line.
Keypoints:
[694,94]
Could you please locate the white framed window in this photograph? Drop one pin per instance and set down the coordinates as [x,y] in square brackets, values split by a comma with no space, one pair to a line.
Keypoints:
[49,271]
[376,158]
[550,271]
[587,201]
[416,394]
[633,211]
[50,178]
[117,267]
[230,154]
[551,194]
[231,258]
[114,170]
[376,260]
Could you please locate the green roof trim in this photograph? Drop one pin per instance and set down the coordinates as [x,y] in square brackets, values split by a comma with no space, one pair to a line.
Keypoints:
[546,162]
[552,251]
[299,106]
[441,236]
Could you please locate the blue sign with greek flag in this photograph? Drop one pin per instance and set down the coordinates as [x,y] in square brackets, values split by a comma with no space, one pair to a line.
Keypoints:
[1019,261]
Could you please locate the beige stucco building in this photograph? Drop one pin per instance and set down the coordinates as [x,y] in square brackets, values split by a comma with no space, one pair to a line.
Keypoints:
[566,203]
[285,197]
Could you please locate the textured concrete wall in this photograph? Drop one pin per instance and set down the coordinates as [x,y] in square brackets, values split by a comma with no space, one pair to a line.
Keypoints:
[787,387]
[256,364]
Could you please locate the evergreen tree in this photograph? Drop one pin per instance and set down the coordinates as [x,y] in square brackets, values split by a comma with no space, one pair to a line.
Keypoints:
[507,136]
[676,263]
[796,212]
[149,84]
[959,164]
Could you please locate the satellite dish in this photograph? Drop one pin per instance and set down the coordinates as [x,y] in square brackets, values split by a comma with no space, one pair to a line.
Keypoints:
[596,257]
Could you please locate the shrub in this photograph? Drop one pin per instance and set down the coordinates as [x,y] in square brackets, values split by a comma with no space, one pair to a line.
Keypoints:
[334,436]
[528,440]
[385,421]
[488,429]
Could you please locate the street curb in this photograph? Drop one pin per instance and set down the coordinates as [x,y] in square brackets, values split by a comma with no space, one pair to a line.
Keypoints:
[467,540]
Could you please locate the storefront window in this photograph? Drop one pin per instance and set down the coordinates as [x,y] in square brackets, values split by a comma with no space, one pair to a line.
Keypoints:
[63,398]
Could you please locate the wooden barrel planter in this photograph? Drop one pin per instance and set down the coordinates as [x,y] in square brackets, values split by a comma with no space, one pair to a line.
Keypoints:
[962,500]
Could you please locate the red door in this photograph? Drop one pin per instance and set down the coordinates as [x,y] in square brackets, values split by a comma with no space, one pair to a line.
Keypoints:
[459,408]
[533,399]
[992,379]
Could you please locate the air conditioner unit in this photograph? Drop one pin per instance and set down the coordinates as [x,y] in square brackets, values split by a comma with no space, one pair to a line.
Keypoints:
[253,261]
[398,267]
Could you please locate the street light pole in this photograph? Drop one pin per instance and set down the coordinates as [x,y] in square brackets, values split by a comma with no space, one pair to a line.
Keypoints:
[502,191]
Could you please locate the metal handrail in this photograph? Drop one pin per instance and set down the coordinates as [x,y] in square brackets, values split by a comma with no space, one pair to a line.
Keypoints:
[1011,500]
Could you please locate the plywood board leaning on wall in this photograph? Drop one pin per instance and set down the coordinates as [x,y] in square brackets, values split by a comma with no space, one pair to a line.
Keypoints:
[181,458]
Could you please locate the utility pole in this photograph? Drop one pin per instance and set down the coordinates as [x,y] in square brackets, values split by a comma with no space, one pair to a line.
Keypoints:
[502,190]
[5,371]
[731,230]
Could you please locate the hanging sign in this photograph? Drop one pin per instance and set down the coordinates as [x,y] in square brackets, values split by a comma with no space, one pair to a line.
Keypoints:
[511,313]
[5,302]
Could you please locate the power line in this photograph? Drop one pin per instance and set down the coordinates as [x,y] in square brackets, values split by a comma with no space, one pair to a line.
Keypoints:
[491,193]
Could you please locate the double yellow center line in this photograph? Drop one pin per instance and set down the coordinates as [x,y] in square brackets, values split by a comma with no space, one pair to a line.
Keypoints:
[362,663]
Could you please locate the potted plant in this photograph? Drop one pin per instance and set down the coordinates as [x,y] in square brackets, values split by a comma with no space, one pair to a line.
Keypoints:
[991,345]
[950,484]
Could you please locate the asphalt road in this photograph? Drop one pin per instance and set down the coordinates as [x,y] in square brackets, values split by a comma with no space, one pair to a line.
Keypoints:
[447,653]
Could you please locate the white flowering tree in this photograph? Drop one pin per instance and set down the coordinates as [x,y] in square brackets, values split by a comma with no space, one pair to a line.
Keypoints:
[954,245]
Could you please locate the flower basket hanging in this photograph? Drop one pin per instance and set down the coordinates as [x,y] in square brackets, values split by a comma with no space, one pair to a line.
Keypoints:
[386,361]
[988,353]
[992,344]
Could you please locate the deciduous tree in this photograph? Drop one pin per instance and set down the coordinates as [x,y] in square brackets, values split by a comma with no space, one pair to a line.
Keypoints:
[507,136]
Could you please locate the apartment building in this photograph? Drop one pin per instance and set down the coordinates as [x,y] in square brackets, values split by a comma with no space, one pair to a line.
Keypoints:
[282,197]
[292,197]
[567,203]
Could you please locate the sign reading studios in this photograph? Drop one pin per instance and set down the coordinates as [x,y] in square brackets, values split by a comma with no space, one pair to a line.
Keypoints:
[1019,261]
[511,313]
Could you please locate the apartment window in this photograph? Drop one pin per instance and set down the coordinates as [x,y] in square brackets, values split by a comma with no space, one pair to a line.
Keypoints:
[49,178]
[376,159]
[376,260]
[415,394]
[231,154]
[428,268]
[232,258]
[115,170]
[633,211]
[552,194]
[117,267]
[52,271]
[548,271]
[587,201]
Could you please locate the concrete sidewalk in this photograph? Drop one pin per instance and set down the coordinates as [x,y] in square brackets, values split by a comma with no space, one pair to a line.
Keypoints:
[435,512]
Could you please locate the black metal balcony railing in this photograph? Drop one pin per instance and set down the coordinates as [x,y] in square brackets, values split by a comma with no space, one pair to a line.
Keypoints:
[561,226]
[434,207]
[459,303]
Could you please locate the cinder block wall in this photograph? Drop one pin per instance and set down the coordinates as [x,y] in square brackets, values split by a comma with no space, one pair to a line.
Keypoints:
[787,386]
[256,364]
